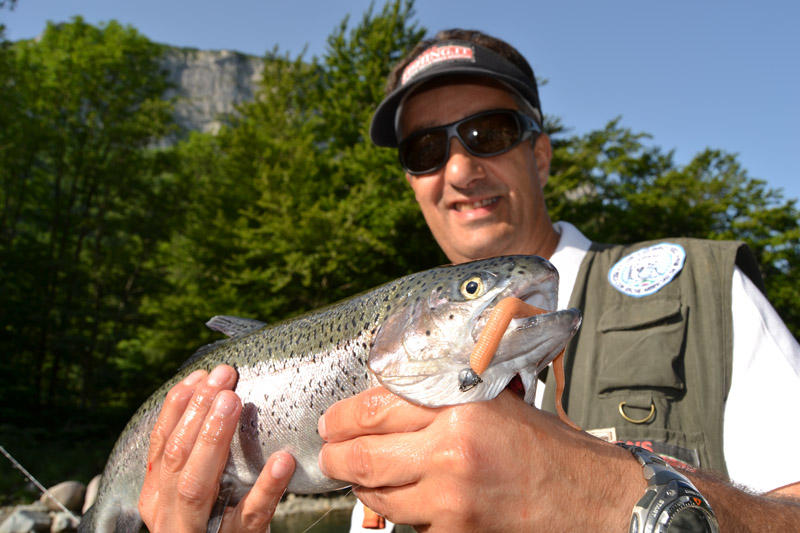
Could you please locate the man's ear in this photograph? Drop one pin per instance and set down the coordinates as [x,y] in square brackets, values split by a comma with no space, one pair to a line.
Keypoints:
[543,153]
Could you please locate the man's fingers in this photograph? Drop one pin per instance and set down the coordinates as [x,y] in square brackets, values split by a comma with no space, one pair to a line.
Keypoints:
[167,488]
[254,512]
[384,501]
[199,479]
[374,411]
[175,404]
[182,440]
[376,460]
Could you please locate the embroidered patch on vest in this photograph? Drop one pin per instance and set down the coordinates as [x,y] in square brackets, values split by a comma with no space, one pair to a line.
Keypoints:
[645,271]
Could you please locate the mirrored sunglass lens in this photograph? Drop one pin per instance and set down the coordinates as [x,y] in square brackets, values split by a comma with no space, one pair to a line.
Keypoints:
[424,152]
[490,133]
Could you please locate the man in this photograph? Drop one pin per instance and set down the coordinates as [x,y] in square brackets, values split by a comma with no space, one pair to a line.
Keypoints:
[680,361]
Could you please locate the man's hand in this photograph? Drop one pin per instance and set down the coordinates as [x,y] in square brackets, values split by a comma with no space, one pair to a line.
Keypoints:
[488,466]
[188,451]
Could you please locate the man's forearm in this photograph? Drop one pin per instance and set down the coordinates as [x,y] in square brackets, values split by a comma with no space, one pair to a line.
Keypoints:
[742,511]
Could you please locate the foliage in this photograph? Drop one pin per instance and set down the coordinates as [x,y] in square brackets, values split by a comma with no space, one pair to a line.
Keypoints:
[113,252]
[617,189]
[290,206]
[79,206]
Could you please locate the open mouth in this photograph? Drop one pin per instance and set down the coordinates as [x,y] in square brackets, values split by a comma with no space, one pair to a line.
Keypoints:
[469,206]
[516,386]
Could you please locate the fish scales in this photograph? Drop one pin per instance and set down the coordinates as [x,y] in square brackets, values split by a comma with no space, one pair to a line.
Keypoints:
[410,335]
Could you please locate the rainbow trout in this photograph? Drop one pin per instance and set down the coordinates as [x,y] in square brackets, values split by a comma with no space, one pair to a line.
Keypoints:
[412,335]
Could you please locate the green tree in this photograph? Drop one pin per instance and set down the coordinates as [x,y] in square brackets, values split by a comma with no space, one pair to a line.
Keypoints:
[615,188]
[82,207]
[291,206]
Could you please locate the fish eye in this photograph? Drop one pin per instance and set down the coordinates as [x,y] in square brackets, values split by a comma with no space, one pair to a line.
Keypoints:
[472,287]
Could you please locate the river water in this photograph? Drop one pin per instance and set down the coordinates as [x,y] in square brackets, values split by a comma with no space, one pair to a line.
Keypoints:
[333,522]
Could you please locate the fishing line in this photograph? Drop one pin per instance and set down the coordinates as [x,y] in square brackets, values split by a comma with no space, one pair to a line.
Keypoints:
[348,493]
[36,482]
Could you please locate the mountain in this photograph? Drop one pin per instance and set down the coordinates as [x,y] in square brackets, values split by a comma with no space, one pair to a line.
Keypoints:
[209,84]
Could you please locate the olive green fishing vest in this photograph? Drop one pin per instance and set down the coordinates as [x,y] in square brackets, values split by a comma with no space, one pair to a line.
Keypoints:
[655,370]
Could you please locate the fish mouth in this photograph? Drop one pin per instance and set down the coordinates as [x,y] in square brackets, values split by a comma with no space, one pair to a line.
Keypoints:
[528,345]
[432,377]
[518,364]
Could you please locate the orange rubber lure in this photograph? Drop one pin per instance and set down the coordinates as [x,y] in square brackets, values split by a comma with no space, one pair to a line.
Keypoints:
[489,340]
[372,520]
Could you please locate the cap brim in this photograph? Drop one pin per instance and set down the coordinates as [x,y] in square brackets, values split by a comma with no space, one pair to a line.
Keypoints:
[484,63]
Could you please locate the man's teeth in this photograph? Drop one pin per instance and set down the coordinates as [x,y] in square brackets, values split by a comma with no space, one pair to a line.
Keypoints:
[465,206]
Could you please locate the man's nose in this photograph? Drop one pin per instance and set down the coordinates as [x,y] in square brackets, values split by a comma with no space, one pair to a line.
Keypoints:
[462,168]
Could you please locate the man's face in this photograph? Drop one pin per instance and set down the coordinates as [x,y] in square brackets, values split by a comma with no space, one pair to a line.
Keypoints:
[478,207]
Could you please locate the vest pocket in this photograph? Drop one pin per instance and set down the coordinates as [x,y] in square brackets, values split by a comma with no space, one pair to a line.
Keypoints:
[642,342]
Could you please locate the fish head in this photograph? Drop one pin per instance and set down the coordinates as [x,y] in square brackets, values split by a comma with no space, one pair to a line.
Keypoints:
[435,318]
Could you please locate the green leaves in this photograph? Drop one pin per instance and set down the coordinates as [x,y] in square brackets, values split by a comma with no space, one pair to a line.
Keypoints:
[114,253]
[617,189]
[290,206]
[79,189]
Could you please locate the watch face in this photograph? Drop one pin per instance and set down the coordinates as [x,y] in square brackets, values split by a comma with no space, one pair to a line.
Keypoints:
[691,520]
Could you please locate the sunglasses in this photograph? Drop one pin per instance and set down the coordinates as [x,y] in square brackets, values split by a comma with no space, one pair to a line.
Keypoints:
[484,135]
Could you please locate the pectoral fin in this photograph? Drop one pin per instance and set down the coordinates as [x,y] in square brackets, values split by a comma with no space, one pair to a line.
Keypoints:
[218,511]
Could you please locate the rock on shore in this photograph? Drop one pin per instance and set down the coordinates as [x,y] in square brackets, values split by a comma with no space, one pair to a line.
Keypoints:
[46,515]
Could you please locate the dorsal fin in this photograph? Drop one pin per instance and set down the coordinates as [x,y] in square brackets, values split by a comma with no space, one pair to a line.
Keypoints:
[233,326]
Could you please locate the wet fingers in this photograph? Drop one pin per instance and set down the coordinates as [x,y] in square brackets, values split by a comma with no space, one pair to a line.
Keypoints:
[254,513]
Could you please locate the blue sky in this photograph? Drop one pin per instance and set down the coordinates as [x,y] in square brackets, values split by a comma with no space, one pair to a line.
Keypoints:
[693,74]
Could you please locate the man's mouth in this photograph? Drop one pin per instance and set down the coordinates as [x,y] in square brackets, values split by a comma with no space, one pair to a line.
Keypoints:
[469,206]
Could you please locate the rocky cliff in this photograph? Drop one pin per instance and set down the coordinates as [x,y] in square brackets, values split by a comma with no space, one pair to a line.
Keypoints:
[209,83]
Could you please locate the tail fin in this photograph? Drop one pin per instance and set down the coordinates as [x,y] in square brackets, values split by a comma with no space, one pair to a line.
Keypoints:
[86,521]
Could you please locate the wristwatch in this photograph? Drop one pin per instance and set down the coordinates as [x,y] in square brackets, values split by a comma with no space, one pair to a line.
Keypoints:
[671,503]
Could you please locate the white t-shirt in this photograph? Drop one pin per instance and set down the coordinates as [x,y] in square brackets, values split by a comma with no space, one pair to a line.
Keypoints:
[761,412]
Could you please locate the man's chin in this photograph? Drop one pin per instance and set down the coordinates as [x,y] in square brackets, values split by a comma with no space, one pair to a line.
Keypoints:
[463,252]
